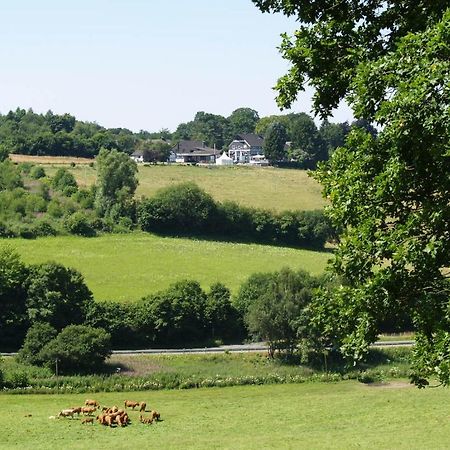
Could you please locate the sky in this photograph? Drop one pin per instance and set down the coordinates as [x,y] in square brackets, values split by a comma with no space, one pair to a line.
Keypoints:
[142,64]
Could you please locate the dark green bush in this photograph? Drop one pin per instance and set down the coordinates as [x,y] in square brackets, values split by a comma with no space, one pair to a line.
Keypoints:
[64,181]
[37,172]
[78,349]
[38,335]
[44,228]
[183,208]
[57,295]
[78,223]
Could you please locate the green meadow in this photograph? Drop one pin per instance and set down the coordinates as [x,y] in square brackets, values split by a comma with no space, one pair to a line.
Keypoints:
[126,267]
[342,415]
[259,187]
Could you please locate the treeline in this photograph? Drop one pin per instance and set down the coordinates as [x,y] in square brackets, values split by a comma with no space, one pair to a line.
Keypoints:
[41,300]
[26,132]
[185,209]
[48,311]
[34,205]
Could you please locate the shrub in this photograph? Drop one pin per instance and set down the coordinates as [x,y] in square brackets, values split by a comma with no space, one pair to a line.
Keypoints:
[85,198]
[63,179]
[78,349]
[183,208]
[44,228]
[78,223]
[38,335]
[55,209]
[37,172]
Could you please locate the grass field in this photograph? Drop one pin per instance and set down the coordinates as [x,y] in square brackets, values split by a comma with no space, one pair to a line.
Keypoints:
[130,266]
[343,415]
[263,187]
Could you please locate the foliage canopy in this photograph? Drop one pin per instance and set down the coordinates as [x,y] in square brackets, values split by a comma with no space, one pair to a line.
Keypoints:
[389,193]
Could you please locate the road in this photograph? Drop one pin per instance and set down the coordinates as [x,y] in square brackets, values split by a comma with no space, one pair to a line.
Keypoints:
[241,348]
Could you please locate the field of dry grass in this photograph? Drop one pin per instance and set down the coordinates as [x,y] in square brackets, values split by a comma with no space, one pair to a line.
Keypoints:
[259,187]
[49,159]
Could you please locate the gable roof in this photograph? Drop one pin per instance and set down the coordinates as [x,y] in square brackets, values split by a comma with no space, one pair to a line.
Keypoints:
[186,146]
[254,140]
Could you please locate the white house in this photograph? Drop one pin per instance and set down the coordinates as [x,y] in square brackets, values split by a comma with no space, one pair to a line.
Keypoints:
[245,147]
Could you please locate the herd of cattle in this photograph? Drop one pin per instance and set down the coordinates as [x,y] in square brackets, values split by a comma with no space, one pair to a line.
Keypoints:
[110,416]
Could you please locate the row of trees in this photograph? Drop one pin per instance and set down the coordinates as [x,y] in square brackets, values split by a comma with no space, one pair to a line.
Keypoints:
[26,132]
[185,209]
[49,312]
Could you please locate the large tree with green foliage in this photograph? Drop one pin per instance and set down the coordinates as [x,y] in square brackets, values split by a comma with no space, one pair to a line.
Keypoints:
[116,182]
[274,142]
[13,319]
[56,295]
[279,314]
[388,193]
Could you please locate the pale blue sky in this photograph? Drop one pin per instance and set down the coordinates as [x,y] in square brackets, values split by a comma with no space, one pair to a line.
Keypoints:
[141,64]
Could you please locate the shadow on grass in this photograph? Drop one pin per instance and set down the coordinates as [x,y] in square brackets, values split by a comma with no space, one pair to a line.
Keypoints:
[224,238]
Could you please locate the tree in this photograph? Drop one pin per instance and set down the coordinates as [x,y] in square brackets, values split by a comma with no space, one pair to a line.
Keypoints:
[13,317]
[220,313]
[56,295]
[274,142]
[242,120]
[155,150]
[279,314]
[177,315]
[307,146]
[333,39]
[78,349]
[4,152]
[116,182]
[9,176]
[333,135]
[389,193]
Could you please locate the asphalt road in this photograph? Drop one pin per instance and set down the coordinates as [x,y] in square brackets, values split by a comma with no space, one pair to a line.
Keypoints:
[241,348]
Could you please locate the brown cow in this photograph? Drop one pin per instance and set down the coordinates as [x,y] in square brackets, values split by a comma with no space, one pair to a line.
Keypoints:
[88,420]
[66,413]
[142,406]
[146,420]
[89,410]
[131,404]
[155,415]
[90,402]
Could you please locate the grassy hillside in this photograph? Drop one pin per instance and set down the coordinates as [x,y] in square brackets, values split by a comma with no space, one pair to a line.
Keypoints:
[263,187]
[305,416]
[127,267]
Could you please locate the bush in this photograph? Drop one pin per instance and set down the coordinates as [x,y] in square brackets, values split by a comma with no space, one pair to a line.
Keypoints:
[78,349]
[78,223]
[38,335]
[44,228]
[183,208]
[37,172]
[64,181]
